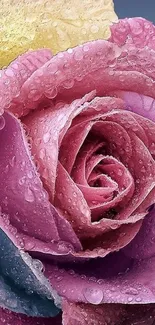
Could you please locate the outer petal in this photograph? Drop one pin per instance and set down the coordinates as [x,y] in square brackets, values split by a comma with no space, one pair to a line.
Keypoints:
[24,202]
[137,103]
[114,279]
[8,318]
[83,314]
[69,75]
[13,77]
[143,245]
[107,314]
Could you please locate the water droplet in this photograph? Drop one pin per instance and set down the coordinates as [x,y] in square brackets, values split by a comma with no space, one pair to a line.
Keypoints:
[51,93]
[6,219]
[100,281]
[29,245]
[38,265]
[23,164]
[72,272]
[46,250]
[13,230]
[120,172]
[94,29]
[2,122]
[59,278]
[6,169]
[42,153]
[22,180]
[78,55]
[29,196]
[21,243]
[85,48]
[93,296]
[70,51]
[130,291]
[92,278]
[130,299]
[113,225]
[30,175]
[46,137]
[12,161]
[63,247]
[138,299]
[12,303]
[68,83]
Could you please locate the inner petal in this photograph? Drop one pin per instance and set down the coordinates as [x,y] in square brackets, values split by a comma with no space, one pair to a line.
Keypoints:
[113,188]
[70,200]
[46,129]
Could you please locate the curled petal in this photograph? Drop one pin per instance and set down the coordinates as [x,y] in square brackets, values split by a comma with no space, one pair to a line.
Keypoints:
[111,68]
[133,31]
[14,76]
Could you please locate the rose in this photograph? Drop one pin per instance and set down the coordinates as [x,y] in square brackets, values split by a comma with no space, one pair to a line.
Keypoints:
[89,118]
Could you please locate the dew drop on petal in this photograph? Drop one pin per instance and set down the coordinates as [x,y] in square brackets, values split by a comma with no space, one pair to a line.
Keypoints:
[22,180]
[30,246]
[46,137]
[12,161]
[38,265]
[59,278]
[130,299]
[2,122]
[113,226]
[11,302]
[42,153]
[93,296]
[29,196]
[130,291]
[30,175]
[63,247]
[138,299]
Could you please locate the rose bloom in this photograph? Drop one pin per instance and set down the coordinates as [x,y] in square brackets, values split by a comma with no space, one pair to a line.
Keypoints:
[77,182]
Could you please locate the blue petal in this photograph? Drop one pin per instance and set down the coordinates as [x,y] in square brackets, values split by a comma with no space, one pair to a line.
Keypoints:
[23,287]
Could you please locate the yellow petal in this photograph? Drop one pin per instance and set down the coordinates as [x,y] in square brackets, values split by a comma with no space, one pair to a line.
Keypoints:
[56,24]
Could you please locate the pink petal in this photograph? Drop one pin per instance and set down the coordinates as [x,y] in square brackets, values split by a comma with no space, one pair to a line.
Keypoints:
[125,187]
[70,200]
[113,279]
[107,314]
[137,103]
[133,31]
[143,245]
[111,68]
[25,206]
[144,177]
[14,76]
[99,106]
[83,314]
[46,128]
